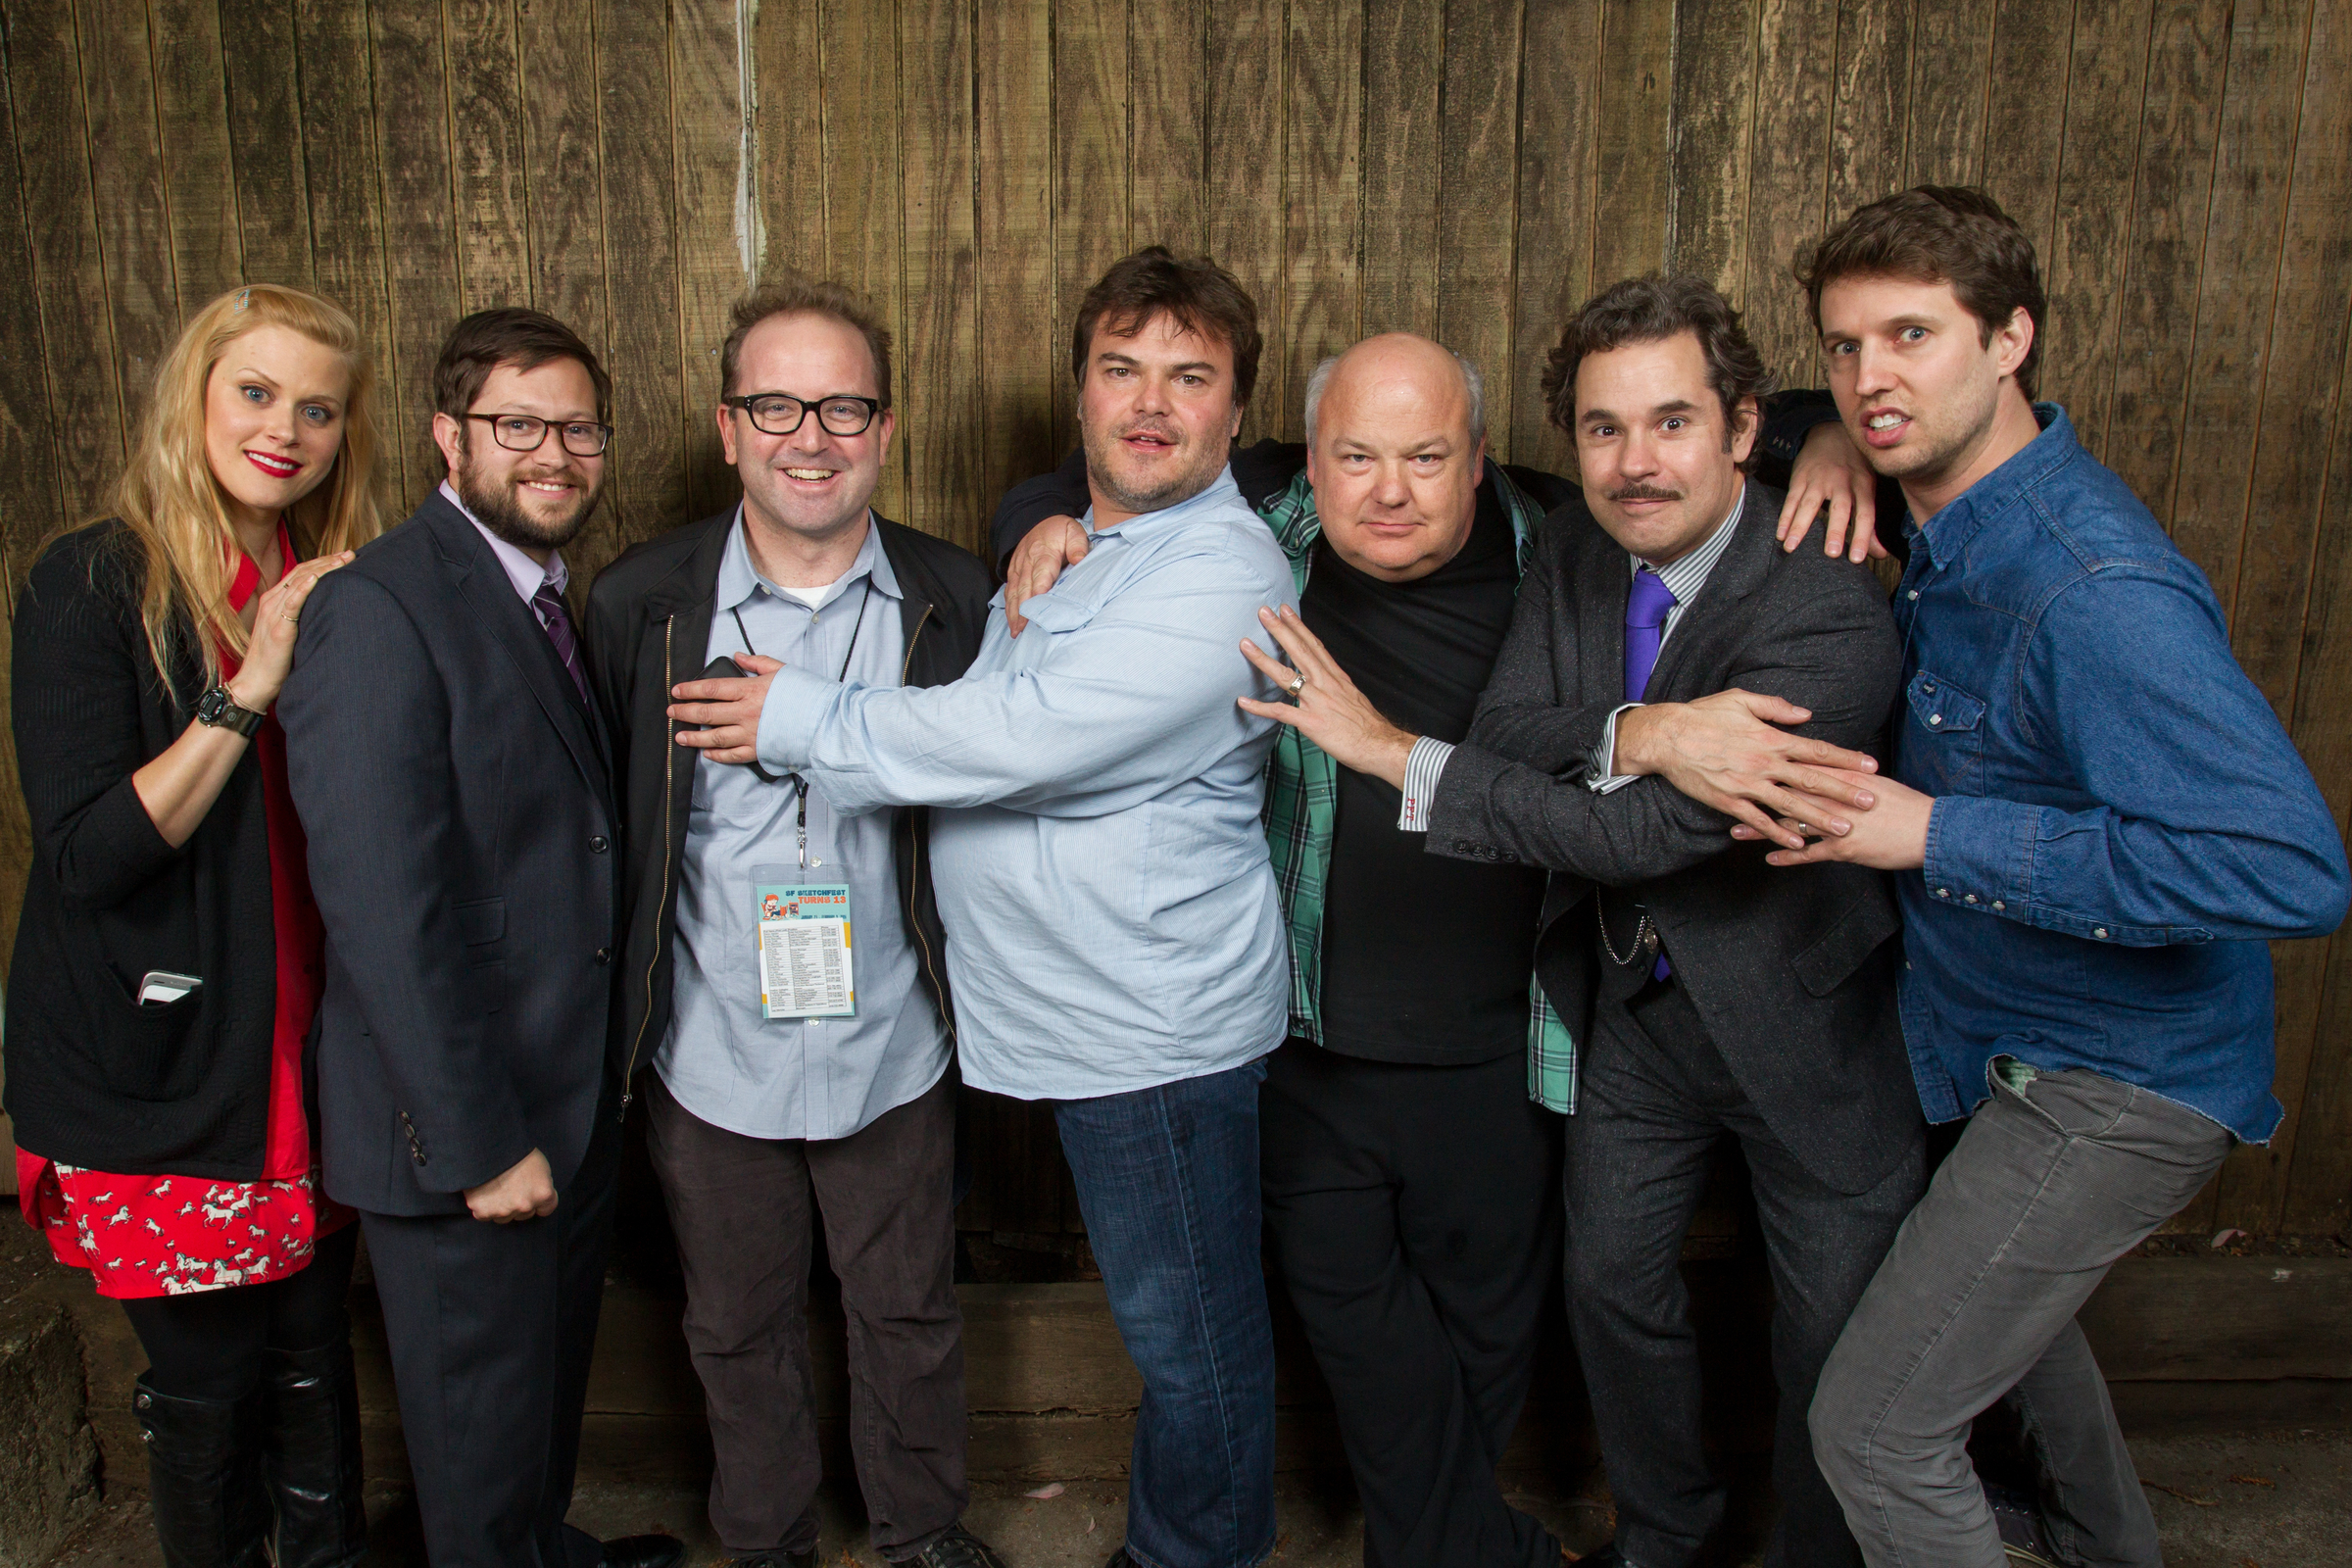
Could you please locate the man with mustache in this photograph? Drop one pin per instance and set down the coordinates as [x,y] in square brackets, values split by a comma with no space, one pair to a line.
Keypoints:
[470,1101]
[1115,941]
[1703,998]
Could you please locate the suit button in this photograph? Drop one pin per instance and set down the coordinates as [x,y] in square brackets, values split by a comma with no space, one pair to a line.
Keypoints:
[604,955]
[598,845]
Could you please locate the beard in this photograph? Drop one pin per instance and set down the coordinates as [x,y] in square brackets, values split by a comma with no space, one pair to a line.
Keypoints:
[1103,455]
[500,509]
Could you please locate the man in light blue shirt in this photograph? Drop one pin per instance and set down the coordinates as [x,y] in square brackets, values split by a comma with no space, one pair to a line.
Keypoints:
[1114,943]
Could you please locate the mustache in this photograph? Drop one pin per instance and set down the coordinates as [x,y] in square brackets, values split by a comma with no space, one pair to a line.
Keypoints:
[1166,432]
[1644,492]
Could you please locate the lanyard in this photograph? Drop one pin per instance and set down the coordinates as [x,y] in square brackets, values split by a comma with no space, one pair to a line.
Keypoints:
[801,785]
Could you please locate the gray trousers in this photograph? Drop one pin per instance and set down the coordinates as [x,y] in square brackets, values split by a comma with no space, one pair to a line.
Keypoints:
[1977,1298]
[742,1209]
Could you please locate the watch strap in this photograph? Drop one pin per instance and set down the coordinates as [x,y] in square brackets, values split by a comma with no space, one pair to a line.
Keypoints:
[220,710]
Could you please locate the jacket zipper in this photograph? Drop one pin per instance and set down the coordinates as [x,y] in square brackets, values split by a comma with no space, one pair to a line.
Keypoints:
[915,883]
[669,775]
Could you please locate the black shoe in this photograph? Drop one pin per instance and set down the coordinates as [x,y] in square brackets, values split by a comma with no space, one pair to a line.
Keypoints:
[310,1458]
[647,1551]
[203,1479]
[957,1548]
[770,1559]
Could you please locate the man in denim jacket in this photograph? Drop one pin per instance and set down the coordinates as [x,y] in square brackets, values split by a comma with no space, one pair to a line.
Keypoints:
[2097,823]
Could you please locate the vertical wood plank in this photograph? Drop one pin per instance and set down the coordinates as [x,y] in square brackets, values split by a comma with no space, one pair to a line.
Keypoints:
[1787,196]
[1023,326]
[85,424]
[1559,107]
[1324,137]
[1091,221]
[2025,110]
[2252,163]
[264,138]
[343,189]
[421,248]
[637,166]
[1634,202]
[28,490]
[192,103]
[487,170]
[2082,268]
[1404,62]
[126,175]
[1247,69]
[937,365]
[705,86]
[1869,111]
[563,205]
[2301,404]
[1714,110]
[1168,75]
[788,126]
[2187,53]
[1478,179]
[1951,47]
[862,132]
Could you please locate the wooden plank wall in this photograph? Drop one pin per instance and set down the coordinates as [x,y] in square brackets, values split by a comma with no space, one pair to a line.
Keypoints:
[1470,169]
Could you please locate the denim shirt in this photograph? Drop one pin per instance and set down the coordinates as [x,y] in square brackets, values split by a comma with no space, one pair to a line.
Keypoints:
[2120,823]
[1102,870]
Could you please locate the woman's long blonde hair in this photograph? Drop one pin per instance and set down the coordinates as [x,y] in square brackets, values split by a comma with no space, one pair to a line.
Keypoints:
[174,509]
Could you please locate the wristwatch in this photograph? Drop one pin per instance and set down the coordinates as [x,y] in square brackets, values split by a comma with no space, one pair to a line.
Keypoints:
[217,708]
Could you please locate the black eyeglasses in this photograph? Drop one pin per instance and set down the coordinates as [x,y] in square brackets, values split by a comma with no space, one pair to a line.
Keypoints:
[781,414]
[521,432]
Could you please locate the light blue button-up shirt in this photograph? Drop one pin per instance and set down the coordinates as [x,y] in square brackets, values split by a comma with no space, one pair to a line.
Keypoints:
[1101,868]
[726,1063]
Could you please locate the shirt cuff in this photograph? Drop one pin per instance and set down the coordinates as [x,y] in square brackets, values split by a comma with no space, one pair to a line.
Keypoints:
[796,701]
[1980,854]
[1422,770]
[1597,776]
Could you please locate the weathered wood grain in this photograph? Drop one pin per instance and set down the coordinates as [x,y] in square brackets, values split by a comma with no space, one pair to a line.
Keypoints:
[1787,196]
[788,130]
[1248,162]
[1324,138]
[191,87]
[419,223]
[1714,129]
[1025,369]
[1869,111]
[1167,109]
[85,424]
[1091,221]
[1558,144]
[2025,112]
[939,423]
[1634,200]
[264,135]
[127,178]
[1478,172]
[1404,53]
[556,54]
[1951,47]
[488,176]
[712,258]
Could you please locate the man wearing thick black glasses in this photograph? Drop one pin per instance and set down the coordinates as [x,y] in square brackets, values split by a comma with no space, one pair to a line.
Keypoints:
[796,1074]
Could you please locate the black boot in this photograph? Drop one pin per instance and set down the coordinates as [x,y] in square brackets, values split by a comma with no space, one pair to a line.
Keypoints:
[310,1458]
[203,1479]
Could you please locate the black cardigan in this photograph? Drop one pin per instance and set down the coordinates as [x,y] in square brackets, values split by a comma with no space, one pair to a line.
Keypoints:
[94,1079]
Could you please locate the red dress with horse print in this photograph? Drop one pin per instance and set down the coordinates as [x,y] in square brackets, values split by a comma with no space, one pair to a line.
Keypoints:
[144,1236]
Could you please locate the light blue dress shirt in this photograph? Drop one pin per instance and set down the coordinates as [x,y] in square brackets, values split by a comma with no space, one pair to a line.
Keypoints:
[726,1063]
[1101,868]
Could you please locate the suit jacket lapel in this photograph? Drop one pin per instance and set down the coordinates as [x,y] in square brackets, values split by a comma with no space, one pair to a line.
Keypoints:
[513,626]
[1738,573]
[1602,583]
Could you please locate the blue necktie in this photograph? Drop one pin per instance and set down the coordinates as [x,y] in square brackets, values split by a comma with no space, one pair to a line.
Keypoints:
[1644,628]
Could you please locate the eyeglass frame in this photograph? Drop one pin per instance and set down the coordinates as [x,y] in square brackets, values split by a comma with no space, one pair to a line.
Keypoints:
[545,426]
[875,408]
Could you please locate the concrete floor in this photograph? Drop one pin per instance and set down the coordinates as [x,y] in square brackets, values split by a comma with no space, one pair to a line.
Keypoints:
[2272,1500]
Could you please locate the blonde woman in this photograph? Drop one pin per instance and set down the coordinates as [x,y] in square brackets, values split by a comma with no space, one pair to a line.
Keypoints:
[167,962]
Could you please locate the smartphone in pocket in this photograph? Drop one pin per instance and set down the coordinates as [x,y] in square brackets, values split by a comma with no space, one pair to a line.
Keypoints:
[160,987]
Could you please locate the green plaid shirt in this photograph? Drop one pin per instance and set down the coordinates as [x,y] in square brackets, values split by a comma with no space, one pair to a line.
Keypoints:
[1301,815]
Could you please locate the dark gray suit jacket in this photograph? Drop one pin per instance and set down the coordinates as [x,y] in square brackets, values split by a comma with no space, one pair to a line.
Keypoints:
[458,805]
[1792,970]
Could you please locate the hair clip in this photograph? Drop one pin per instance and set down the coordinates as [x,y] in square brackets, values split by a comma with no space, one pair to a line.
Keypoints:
[244,298]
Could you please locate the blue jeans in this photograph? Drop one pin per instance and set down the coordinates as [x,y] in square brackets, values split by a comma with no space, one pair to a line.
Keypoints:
[1168,1179]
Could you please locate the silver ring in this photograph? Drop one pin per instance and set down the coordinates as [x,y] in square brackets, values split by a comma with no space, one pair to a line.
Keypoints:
[1297,684]
[296,619]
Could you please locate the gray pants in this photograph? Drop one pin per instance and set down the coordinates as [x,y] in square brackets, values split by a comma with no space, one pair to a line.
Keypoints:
[741,1210]
[1978,1297]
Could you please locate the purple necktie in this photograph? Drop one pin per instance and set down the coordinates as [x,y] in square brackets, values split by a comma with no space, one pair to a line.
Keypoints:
[558,622]
[1644,628]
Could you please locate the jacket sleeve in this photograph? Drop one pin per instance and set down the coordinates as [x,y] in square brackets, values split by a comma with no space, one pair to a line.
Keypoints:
[606,642]
[78,663]
[1520,718]
[1834,652]
[2209,825]
[1059,494]
[367,754]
